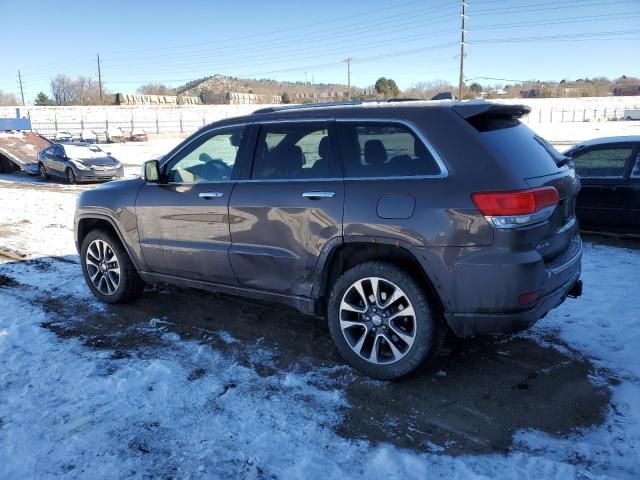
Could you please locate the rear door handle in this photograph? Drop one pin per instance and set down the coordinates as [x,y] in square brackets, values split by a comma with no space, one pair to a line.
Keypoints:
[318,195]
[210,195]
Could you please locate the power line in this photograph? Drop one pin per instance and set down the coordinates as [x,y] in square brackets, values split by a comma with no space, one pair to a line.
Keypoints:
[548,6]
[262,35]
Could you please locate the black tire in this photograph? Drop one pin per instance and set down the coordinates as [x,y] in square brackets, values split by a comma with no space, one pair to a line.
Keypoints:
[43,171]
[130,284]
[426,324]
[71,176]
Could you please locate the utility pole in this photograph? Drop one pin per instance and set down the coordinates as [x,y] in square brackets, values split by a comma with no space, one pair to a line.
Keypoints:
[99,78]
[348,60]
[462,44]
[21,89]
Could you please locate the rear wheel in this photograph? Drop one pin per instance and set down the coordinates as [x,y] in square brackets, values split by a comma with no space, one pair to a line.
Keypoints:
[381,320]
[43,171]
[71,176]
[107,268]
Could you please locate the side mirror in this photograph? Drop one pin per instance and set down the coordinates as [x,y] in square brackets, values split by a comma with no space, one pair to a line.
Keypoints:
[151,171]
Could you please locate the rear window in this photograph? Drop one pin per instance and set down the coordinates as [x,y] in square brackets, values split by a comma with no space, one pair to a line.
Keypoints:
[518,144]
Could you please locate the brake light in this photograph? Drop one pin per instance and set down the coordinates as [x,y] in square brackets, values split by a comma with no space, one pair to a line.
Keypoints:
[518,208]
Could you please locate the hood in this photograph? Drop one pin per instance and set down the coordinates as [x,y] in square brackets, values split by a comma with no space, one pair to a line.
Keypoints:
[104,160]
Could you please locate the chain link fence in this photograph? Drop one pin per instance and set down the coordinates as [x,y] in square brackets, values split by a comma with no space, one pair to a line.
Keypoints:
[577,114]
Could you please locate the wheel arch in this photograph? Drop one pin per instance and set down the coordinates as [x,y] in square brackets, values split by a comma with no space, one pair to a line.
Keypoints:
[86,223]
[342,256]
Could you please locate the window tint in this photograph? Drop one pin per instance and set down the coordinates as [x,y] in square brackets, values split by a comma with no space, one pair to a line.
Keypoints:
[210,159]
[58,151]
[520,147]
[606,162]
[293,151]
[383,150]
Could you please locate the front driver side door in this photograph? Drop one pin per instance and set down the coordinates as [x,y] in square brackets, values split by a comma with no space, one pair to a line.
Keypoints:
[183,221]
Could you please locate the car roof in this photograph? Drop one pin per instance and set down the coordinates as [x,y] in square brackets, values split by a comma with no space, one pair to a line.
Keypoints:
[395,108]
[607,140]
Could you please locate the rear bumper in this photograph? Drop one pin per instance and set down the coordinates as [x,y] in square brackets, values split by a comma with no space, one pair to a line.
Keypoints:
[488,294]
[471,324]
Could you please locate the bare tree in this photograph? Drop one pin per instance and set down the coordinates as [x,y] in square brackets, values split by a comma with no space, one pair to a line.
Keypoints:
[62,90]
[428,89]
[86,91]
[8,99]
[155,89]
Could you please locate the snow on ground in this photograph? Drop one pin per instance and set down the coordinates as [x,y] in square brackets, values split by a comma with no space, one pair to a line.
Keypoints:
[67,409]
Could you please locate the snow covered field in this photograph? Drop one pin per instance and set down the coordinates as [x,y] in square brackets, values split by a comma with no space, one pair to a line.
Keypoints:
[183,384]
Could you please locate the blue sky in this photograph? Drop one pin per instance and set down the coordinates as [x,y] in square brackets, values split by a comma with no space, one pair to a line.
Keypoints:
[409,41]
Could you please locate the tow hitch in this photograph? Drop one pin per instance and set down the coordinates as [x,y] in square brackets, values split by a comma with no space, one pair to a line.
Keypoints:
[576,290]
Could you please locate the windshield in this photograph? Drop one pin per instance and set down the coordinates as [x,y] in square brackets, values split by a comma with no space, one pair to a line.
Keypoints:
[77,151]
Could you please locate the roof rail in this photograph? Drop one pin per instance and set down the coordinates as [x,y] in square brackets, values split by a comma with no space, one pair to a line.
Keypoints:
[331,104]
[306,105]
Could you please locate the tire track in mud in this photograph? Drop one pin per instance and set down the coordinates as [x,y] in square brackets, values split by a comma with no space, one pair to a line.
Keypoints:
[471,401]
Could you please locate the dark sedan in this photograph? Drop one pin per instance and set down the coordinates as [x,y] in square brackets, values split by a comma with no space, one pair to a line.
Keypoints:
[77,162]
[609,169]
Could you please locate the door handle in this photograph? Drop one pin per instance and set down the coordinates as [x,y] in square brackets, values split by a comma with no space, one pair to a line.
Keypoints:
[318,195]
[210,195]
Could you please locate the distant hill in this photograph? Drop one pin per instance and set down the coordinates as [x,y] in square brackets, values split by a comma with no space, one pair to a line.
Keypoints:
[295,90]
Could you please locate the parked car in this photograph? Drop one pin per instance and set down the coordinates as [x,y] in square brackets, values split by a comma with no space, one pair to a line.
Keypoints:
[632,113]
[395,222]
[78,162]
[609,169]
[88,136]
[114,135]
[139,135]
[63,137]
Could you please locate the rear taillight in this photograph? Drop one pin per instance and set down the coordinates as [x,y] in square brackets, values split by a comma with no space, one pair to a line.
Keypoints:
[519,208]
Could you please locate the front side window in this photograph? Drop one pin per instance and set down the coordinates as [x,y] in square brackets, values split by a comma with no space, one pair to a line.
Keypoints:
[210,159]
[383,150]
[293,151]
[603,162]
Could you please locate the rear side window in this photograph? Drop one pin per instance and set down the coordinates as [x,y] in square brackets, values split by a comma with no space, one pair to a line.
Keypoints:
[518,145]
[376,149]
[293,151]
[603,162]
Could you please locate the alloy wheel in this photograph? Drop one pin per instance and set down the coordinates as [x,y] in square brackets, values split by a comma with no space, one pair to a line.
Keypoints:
[103,267]
[378,320]
[71,177]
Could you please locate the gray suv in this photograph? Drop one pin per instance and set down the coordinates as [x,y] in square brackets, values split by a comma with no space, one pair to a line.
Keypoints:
[395,220]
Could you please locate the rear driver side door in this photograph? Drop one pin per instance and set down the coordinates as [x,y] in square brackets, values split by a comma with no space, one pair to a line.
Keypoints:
[183,220]
[289,209]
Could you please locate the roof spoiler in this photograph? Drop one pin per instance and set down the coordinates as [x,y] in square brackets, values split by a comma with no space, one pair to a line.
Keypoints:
[472,109]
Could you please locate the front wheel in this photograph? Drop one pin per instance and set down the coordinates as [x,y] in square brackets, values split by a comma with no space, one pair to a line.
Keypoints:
[71,177]
[107,268]
[381,321]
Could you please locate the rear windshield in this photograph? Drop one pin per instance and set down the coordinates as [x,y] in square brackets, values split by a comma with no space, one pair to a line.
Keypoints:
[518,144]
